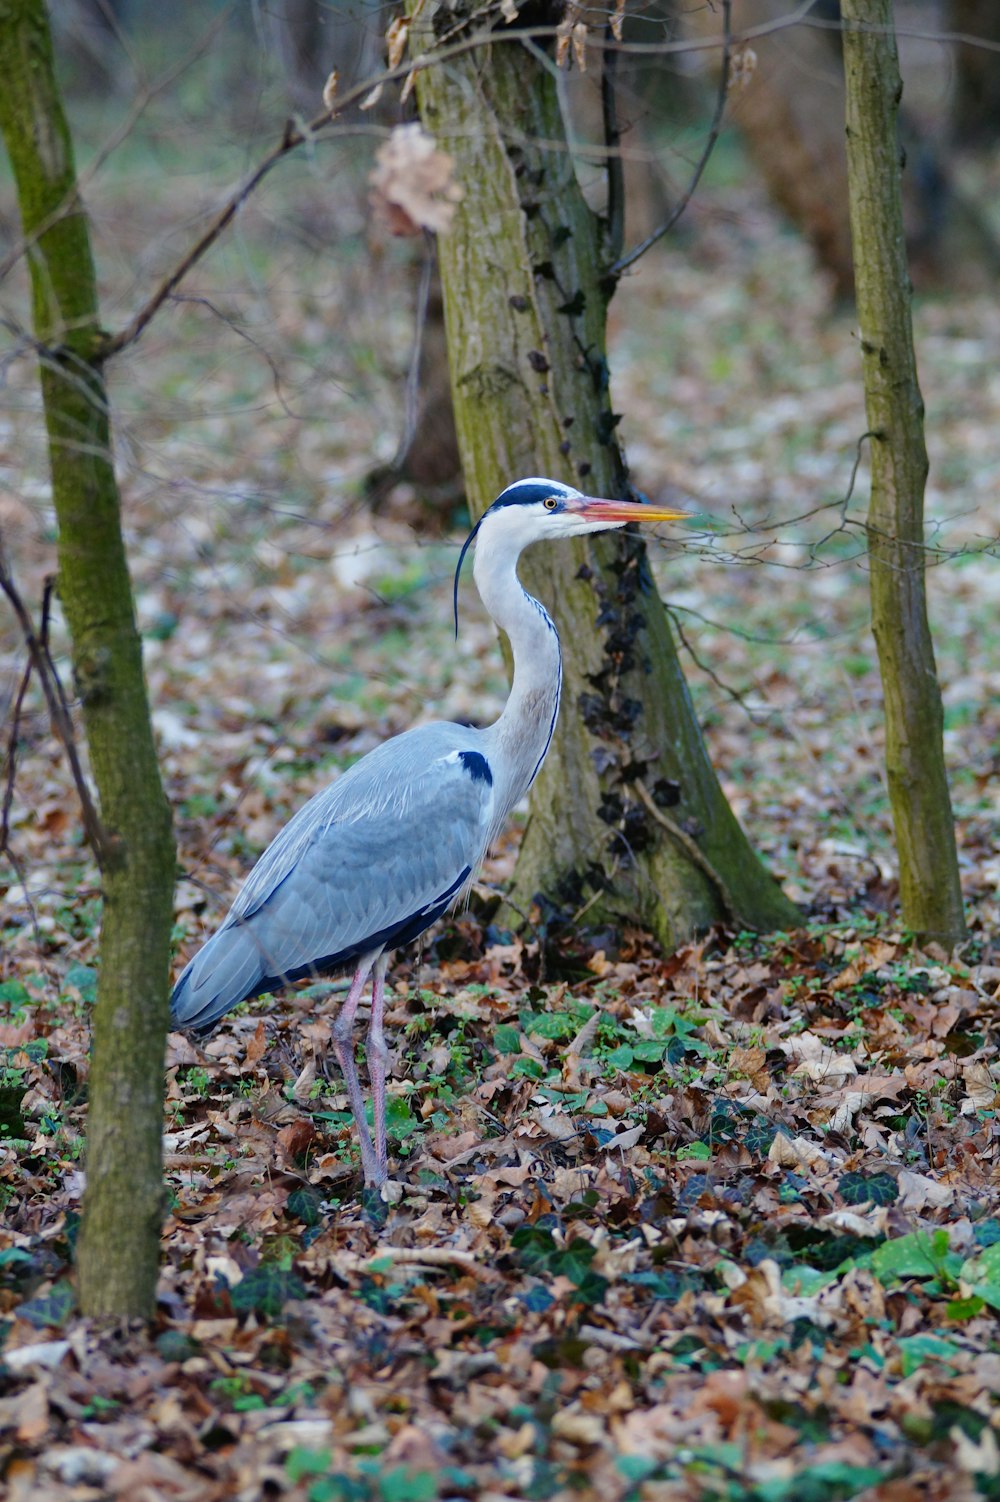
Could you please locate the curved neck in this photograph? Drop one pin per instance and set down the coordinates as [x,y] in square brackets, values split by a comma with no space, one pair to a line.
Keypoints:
[524,730]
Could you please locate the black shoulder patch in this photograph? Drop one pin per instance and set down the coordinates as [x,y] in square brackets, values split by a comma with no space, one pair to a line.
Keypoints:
[477,766]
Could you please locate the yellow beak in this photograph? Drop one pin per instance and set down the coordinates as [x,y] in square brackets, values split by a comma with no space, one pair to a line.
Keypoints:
[593,508]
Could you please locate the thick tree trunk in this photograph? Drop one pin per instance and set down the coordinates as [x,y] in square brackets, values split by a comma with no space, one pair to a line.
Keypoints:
[119,1245]
[918,787]
[627,819]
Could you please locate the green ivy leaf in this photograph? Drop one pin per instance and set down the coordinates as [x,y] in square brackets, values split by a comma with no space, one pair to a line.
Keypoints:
[82,978]
[918,1255]
[403,1485]
[700,1151]
[914,1350]
[553,1025]
[649,1050]
[983,1273]
[832,1481]
[265,1290]
[400,1121]
[52,1308]
[301,1462]
[304,1204]
[862,1188]
[987,1232]
[507,1039]
[338,1488]
[968,1308]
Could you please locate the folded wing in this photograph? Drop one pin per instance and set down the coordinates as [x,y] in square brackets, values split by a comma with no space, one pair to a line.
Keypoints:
[365,865]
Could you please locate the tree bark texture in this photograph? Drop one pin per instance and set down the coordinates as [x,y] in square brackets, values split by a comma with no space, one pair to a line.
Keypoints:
[119,1243]
[918,787]
[627,820]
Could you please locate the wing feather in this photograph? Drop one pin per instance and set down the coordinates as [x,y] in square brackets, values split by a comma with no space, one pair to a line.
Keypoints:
[371,860]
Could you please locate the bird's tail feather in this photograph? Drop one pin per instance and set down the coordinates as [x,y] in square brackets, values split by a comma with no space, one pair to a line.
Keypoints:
[227,970]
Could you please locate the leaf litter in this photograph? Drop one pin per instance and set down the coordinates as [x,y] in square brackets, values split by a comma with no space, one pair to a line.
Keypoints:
[722,1224]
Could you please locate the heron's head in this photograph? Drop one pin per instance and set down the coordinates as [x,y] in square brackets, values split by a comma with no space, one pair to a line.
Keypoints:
[535,509]
[531,510]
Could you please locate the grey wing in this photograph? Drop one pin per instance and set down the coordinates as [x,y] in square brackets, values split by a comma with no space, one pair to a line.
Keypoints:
[367,864]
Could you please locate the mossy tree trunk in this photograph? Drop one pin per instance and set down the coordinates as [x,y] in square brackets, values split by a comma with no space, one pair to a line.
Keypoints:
[119,1243]
[627,820]
[918,786]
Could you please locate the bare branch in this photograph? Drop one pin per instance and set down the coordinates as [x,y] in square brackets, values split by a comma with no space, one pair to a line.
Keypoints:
[294,136]
[624,262]
[693,851]
[40,659]
[8,794]
[412,406]
[615,169]
[149,93]
[735,694]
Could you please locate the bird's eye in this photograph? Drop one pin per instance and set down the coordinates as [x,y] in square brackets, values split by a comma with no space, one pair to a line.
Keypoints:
[550,503]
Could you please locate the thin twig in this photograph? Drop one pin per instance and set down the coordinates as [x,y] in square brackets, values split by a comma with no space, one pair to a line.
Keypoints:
[615,167]
[241,333]
[413,1256]
[292,138]
[88,173]
[295,136]
[692,850]
[624,262]
[723,687]
[8,799]
[411,407]
[98,837]
[8,790]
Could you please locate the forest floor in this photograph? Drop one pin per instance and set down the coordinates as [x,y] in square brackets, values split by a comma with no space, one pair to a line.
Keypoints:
[721,1224]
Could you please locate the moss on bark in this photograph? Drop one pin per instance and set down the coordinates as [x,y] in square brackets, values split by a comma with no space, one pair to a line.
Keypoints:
[918,787]
[119,1245]
[627,820]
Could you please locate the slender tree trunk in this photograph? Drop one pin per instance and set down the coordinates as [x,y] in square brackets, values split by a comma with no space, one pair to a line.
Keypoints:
[918,787]
[119,1245]
[627,820]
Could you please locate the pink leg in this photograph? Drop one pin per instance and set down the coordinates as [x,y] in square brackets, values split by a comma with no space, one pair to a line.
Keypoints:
[377,1055]
[343,1046]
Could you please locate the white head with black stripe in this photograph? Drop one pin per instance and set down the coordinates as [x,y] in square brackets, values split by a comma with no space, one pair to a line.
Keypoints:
[537,509]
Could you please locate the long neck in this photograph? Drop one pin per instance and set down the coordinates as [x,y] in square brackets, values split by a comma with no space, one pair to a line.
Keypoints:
[522,733]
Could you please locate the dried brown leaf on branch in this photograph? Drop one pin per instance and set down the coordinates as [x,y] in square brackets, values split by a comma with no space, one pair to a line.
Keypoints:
[572,33]
[396,39]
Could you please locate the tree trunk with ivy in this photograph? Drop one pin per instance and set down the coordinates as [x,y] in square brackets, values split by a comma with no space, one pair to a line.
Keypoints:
[918,787]
[119,1244]
[627,821]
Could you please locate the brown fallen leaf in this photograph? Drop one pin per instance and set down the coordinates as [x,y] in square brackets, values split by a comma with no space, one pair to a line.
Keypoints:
[13,1034]
[751,1062]
[918,1192]
[980,1088]
[296,1138]
[26,1414]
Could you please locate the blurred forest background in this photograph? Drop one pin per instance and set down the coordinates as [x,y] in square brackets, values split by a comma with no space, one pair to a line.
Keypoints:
[714,1224]
[292,493]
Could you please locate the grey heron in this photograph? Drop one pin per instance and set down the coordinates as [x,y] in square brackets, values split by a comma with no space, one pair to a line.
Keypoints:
[371,861]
